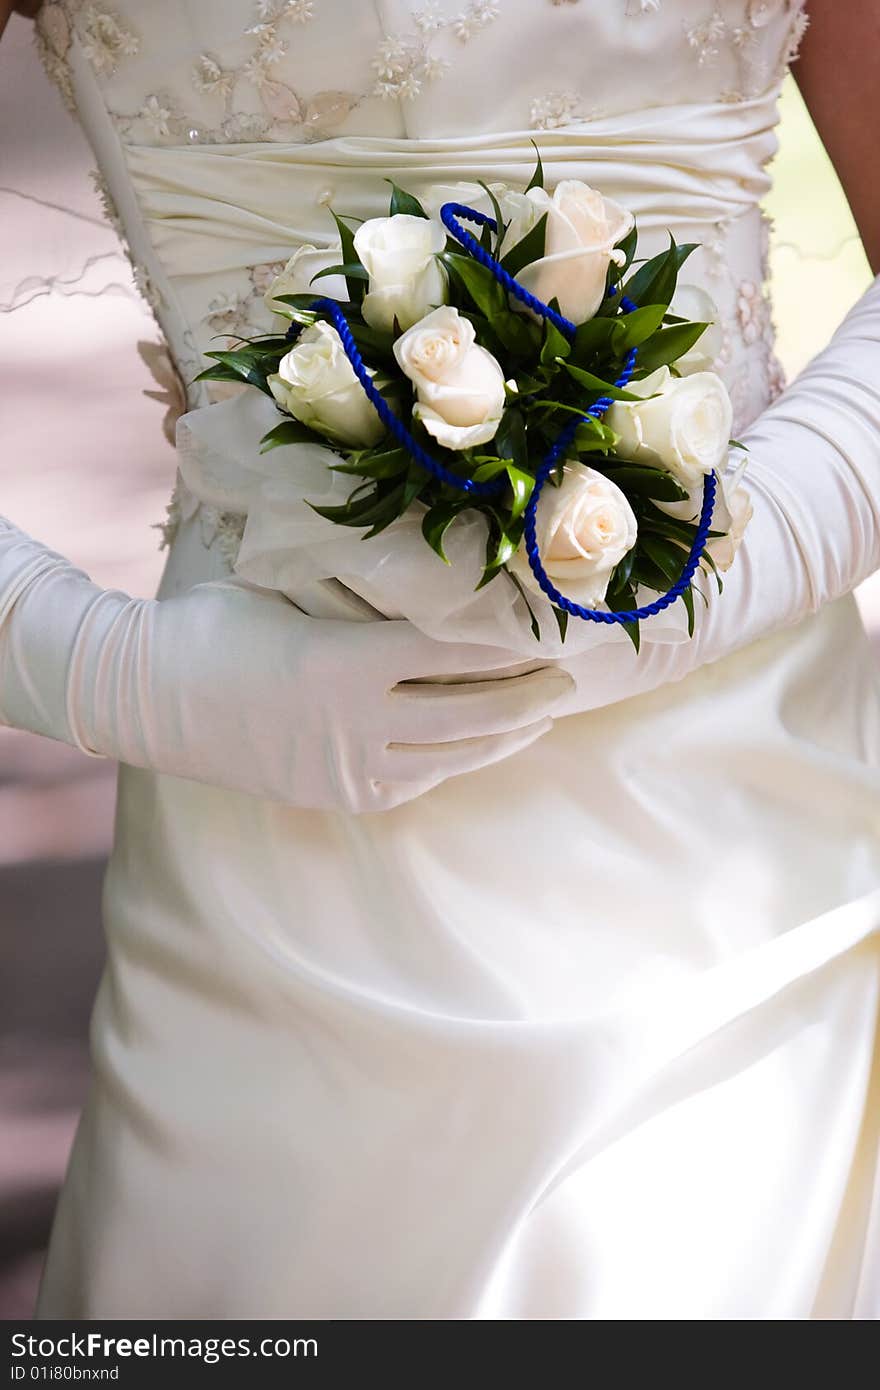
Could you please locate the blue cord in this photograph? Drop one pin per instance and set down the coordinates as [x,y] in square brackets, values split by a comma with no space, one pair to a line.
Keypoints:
[450,213]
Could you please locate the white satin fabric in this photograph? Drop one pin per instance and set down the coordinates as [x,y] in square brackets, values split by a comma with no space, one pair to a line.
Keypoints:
[588,1034]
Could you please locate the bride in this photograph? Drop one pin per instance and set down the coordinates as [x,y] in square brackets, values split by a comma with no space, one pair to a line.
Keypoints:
[439,987]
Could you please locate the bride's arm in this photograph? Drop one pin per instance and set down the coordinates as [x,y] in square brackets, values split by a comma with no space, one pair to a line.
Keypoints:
[814,455]
[838,73]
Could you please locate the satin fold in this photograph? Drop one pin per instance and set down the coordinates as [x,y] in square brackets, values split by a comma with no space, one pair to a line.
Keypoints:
[689,166]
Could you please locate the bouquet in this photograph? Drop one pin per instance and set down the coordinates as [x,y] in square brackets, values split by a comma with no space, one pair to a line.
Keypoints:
[489,417]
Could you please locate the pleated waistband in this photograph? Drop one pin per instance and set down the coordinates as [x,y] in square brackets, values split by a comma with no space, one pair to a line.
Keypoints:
[216,208]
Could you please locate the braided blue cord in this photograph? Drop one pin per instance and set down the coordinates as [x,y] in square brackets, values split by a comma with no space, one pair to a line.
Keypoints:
[449,213]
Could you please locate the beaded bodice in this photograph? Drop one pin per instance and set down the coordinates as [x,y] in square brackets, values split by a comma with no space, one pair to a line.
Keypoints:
[301,70]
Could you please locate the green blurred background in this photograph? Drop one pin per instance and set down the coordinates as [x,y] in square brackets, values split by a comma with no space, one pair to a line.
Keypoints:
[818,266]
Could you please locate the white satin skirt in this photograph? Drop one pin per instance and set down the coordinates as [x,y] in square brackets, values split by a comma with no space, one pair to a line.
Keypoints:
[590,1034]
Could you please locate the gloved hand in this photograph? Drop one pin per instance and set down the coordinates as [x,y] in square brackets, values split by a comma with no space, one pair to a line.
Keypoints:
[236,687]
[814,478]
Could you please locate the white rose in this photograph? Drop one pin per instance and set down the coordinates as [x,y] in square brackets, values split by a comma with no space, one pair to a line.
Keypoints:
[296,277]
[316,383]
[459,385]
[731,514]
[400,256]
[584,528]
[581,233]
[692,302]
[472,195]
[684,429]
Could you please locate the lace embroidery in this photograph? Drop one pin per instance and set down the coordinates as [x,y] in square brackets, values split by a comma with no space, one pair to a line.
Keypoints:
[105,198]
[106,39]
[223,529]
[704,36]
[253,103]
[240,315]
[558,109]
[52,37]
[708,35]
[404,62]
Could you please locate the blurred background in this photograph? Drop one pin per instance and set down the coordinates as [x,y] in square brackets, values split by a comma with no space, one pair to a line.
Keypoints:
[85,467]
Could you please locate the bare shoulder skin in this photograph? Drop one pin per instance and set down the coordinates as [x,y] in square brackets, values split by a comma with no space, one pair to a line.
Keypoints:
[838,73]
[25,7]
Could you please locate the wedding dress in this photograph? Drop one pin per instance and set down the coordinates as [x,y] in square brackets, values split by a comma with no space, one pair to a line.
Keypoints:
[591,1033]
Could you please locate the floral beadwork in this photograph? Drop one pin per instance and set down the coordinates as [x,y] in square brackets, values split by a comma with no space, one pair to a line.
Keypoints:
[558,109]
[708,36]
[403,62]
[106,39]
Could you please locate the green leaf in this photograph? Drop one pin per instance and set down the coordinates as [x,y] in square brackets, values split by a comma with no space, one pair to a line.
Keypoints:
[592,435]
[510,438]
[220,373]
[402,499]
[738,444]
[435,524]
[489,468]
[533,621]
[349,257]
[561,621]
[620,578]
[527,384]
[669,344]
[655,281]
[289,432]
[404,202]
[706,559]
[377,342]
[633,633]
[521,485]
[359,510]
[649,482]
[299,307]
[528,249]
[620,599]
[687,599]
[516,332]
[496,209]
[647,573]
[555,344]
[501,545]
[592,338]
[631,330]
[537,179]
[669,557]
[366,463]
[670,526]
[599,387]
[352,270]
[296,301]
[480,283]
[241,363]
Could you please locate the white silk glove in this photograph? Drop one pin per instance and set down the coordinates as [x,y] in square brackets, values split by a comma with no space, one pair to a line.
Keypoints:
[236,687]
[814,479]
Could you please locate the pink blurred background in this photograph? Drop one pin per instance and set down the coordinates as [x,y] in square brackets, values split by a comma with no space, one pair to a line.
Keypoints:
[84,466]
